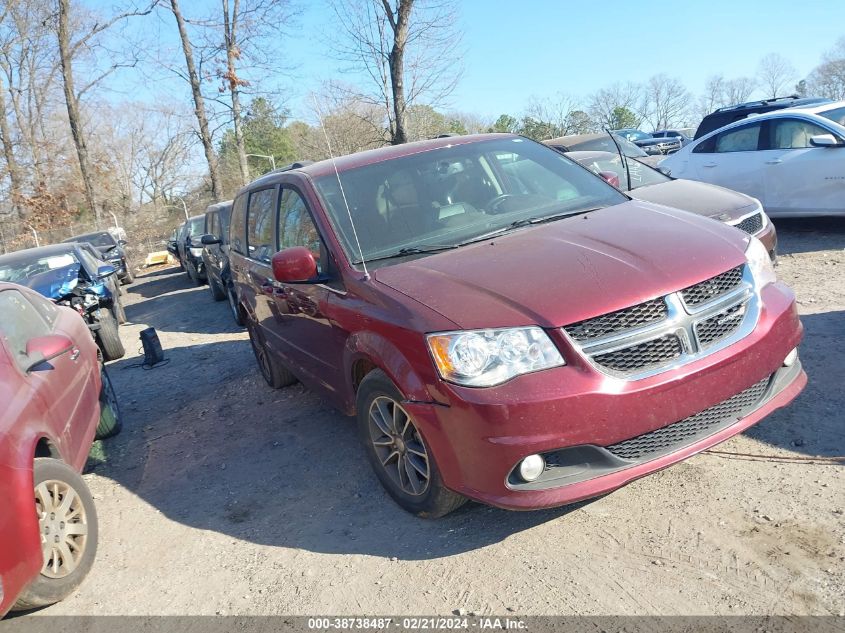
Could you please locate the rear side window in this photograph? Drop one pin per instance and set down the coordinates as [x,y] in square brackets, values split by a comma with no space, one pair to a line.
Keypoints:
[260,220]
[211,223]
[21,322]
[741,139]
[296,228]
[223,223]
[792,133]
[237,230]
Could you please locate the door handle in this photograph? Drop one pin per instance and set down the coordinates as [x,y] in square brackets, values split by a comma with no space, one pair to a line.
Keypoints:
[74,354]
[774,161]
[709,165]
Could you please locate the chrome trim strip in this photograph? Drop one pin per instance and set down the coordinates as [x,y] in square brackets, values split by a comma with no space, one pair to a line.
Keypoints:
[681,321]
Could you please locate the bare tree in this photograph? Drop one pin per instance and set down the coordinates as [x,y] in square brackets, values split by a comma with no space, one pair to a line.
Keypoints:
[199,101]
[553,113]
[666,102]
[603,103]
[407,51]
[828,78]
[739,90]
[775,73]
[68,49]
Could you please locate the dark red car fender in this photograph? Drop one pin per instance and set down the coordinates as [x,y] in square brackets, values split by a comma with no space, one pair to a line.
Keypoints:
[380,352]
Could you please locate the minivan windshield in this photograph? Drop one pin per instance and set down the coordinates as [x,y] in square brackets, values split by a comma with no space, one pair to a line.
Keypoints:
[452,195]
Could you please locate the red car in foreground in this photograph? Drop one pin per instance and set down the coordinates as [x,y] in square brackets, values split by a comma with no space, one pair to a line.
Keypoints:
[56,396]
[506,325]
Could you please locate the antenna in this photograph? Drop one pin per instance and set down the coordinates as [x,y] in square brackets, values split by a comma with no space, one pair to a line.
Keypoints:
[340,184]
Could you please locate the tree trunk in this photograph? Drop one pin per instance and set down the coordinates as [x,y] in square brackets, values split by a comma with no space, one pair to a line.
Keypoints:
[74,118]
[199,103]
[399,23]
[9,154]
[230,33]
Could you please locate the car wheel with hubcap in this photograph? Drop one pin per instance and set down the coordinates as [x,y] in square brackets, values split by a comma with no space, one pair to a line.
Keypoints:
[397,451]
[67,522]
[111,422]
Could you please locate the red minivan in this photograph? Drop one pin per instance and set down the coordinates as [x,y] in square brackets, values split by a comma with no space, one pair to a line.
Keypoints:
[56,398]
[506,326]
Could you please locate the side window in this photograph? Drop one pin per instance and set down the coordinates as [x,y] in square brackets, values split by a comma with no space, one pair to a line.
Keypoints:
[707,146]
[211,223]
[741,139]
[237,229]
[20,323]
[792,133]
[260,225]
[296,228]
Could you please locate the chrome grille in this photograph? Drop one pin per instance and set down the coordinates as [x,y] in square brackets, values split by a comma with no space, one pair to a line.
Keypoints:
[687,431]
[615,322]
[751,224]
[709,289]
[672,330]
[653,353]
[720,325]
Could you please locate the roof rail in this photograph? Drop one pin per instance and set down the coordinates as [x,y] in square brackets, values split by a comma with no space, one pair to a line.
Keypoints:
[759,102]
[297,165]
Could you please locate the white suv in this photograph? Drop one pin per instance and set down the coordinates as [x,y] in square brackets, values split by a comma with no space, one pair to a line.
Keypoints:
[793,160]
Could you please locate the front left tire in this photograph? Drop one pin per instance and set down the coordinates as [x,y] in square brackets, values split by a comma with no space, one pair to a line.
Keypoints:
[67,521]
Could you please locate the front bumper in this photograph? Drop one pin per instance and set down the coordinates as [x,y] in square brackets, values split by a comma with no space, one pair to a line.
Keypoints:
[479,435]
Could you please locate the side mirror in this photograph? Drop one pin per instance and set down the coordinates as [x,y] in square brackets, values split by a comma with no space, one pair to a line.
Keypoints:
[106,271]
[40,349]
[610,176]
[294,265]
[122,242]
[209,239]
[824,140]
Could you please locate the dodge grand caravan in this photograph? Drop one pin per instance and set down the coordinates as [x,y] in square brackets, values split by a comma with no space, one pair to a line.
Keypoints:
[505,325]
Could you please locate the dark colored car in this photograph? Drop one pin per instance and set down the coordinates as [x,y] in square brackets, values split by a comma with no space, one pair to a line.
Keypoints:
[172,243]
[54,270]
[729,114]
[645,183]
[57,397]
[682,136]
[650,144]
[506,325]
[599,142]
[189,248]
[111,250]
[215,255]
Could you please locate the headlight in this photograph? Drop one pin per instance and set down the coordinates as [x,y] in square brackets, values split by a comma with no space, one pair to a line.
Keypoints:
[483,358]
[196,252]
[759,262]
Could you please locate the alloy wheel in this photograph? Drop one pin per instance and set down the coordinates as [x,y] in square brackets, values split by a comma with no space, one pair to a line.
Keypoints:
[63,524]
[398,446]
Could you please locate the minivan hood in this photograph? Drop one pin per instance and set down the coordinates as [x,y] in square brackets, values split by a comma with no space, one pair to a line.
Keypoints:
[698,197]
[572,269]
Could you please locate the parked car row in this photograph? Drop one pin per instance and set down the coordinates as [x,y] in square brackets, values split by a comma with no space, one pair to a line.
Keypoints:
[510,323]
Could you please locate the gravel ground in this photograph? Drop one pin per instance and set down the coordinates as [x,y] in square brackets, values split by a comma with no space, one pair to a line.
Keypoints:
[222,496]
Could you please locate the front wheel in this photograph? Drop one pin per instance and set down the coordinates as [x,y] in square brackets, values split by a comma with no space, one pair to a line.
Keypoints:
[108,337]
[397,451]
[67,522]
[128,278]
[217,292]
[233,306]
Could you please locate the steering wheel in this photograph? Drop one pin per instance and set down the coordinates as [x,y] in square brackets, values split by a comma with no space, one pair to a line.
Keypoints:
[495,203]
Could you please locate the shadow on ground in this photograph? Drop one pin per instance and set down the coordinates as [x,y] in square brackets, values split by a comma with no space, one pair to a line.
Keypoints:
[802,235]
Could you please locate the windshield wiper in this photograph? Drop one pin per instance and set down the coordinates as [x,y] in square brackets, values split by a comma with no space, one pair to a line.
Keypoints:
[413,250]
[526,222]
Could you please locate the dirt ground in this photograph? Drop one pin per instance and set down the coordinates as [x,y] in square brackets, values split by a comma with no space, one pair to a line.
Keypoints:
[222,496]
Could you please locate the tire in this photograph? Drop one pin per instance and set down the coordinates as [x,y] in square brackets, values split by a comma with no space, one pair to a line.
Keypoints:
[275,374]
[411,477]
[111,420]
[128,278]
[234,308]
[118,311]
[53,585]
[108,337]
[217,292]
[192,273]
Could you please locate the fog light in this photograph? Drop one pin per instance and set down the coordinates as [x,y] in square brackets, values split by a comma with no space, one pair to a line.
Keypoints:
[791,358]
[531,467]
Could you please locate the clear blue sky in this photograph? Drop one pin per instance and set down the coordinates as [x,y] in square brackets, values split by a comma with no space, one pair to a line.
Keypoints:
[524,48]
